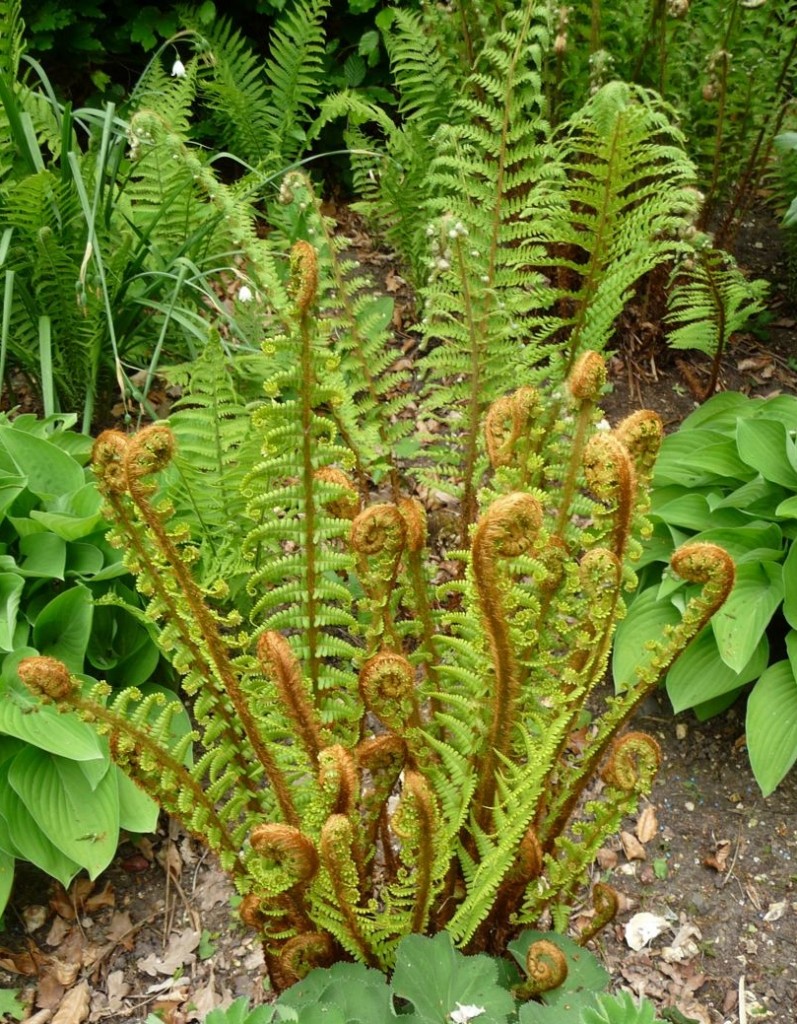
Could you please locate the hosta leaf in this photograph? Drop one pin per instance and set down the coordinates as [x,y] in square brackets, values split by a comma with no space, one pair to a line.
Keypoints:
[83,822]
[740,623]
[63,627]
[28,838]
[6,878]
[23,716]
[49,471]
[765,445]
[645,621]
[700,674]
[771,725]
[137,811]
[11,586]
[790,586]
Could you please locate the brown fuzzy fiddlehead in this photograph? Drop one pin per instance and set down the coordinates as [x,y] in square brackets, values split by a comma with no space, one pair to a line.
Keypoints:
[710,565]
[378,536]
[287,850]
[588,378]
[381,759]
[337,777]
[302,954]
[546,968]
[501,431]
[337,856]
[108,461]
[415,822]
[387,687]
[633,762]
[282,667]
[304,277]
[48,677]
[149,451]
[611,477]
[642,433]
[508,529]
[605,904]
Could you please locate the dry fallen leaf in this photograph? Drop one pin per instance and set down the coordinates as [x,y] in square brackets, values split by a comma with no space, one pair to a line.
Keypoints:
[775,911]
[606,858]
[632,848]
[647,825]
[718,859]
[179,954]
[74,1006]
[117,988]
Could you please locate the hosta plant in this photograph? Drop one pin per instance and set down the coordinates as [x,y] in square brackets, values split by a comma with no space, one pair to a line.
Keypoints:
[729,477]
[384,753]
[62,800]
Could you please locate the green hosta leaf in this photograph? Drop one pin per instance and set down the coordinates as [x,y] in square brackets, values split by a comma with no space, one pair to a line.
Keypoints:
[791,650]
[694,512]
[759,498]
[23,716]
[699,458]
[710,708]
[11,487]
[11,586]
[752,543]
[137,811]
[63,627]
[739,625]
[28,838]
[772,725]
[6,881]
[644,622]
[700,674]
[790,586]
[44,556]
[788,508]
[83,822]
[76,516]
[720,412]
[49,471]
[434,977]
[765,445]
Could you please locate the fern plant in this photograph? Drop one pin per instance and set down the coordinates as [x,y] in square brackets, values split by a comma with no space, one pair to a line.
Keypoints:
[381,755]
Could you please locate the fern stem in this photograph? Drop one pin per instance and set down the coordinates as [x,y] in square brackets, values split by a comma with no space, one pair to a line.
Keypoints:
[199,661]
[218,654]
[307,382]
[725,59]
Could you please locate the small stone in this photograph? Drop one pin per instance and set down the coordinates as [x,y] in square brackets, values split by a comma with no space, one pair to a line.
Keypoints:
[681,730]
[689,805]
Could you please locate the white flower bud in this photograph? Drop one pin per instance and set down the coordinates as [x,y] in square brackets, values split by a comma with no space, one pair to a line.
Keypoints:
[245,293]
[178,69]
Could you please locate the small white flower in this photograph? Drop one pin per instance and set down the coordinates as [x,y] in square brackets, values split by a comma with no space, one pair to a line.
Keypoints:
[603,425]
[466,1013]
[178,69]
[245,293]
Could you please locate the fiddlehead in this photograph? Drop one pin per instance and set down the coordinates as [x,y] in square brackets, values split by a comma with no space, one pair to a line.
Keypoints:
[611,477]
[387,687]
[507,529]
[633,762]
[378,536]
[282,667]
[546,969]
[606,905]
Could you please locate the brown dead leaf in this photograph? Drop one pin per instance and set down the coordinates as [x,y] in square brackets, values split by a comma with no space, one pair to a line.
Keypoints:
[34,916]
[117,988]
[42,1017]
[393,283]
[718,859]
[647,825]
[50,992]
[606,858]
[170,860]
[74,1006]
[632,848]
[59,929]
[121,930]
[25,963]
[105,898]
[179,954]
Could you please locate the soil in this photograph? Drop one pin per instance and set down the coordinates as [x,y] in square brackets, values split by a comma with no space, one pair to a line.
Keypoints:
[707,856]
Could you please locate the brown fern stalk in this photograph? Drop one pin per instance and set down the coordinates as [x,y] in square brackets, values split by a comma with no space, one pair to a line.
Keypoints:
[507,529]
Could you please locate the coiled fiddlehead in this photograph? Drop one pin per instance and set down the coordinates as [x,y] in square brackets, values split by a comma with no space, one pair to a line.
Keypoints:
[387,687]
[633,762]
[611,477]
[507,529]
[546,969]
